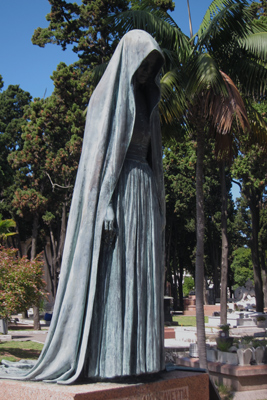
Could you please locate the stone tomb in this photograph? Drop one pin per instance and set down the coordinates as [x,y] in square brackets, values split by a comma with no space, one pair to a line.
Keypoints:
[238,378]
[237,319]
[174,385]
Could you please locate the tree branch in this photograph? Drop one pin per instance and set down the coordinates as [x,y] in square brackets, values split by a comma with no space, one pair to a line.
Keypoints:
[237,183]
[55,184]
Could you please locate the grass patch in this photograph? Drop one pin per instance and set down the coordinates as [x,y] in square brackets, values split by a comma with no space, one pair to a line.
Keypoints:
[187,320]
[15,350]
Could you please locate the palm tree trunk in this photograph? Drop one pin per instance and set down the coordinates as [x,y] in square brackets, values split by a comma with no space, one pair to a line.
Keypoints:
[199,269]
[224,259]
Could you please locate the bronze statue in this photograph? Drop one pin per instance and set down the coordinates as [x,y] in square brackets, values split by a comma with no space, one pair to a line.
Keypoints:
[108,316]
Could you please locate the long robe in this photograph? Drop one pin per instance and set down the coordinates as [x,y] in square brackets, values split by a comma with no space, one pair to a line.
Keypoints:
[108,131]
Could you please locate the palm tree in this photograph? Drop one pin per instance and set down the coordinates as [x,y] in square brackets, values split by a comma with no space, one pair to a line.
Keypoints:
[248,41]
[212,112]
[227,44]
[226,30]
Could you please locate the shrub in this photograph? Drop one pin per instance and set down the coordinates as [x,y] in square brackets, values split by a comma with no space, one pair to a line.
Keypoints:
[21,282]
[224,345]
[225,327]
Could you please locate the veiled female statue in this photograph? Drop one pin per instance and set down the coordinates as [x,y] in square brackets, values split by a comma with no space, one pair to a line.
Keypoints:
[108,316]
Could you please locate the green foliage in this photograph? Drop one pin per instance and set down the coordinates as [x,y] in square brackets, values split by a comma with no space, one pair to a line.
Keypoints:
[242,223]
[242,266]
[188,285]
[179,167]
[13,102]
[48,217]
[225,327]
[87,27]
[28,201]
[259,9]
[249,168]
[247,339]
[223,345]
[46,163]
[21,282]
[163,4]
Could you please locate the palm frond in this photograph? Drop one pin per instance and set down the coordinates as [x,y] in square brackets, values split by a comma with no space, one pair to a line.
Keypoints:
[173,102]
[204,74]
[252,77]
[214,9]
[170,131]
[222,110]
[224,18]
[172,58]
[256,44]
[159,24]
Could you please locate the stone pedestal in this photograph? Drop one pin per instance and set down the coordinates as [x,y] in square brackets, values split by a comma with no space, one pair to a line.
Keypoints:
[174,385]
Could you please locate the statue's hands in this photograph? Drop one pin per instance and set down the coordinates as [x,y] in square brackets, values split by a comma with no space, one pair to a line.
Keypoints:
[109,225]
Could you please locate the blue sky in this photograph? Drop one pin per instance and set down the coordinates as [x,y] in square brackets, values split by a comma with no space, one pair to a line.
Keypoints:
[22,63]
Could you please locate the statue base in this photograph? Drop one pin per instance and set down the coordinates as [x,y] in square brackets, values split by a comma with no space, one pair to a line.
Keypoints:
[174,385]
